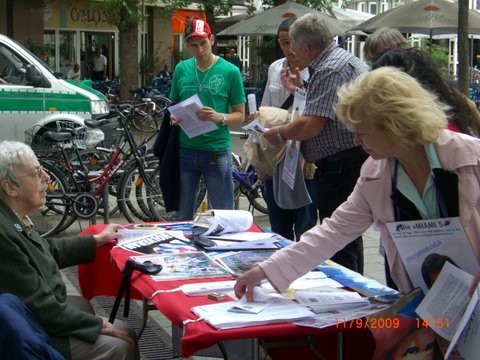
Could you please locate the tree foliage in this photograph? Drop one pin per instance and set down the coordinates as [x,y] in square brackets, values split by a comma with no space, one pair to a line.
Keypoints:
[322,5]
[121,13]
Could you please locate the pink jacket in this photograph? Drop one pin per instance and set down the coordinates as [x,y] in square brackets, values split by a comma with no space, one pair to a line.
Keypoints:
[370,203]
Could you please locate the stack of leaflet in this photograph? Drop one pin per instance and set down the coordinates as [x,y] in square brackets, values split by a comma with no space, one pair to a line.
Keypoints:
[267,309]
[320,302]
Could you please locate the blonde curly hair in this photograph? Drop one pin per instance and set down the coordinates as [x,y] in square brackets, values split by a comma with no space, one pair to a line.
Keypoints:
[394,102]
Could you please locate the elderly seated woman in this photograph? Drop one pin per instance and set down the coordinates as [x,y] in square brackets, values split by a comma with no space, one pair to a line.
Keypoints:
[414,165]
[30,265]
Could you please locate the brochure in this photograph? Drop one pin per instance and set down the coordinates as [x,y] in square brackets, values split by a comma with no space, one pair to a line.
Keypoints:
[189,265]
[450,312]
[159,242]
[425,245]
[293,147]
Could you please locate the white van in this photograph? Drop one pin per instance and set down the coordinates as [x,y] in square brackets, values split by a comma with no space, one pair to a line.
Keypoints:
[34,98]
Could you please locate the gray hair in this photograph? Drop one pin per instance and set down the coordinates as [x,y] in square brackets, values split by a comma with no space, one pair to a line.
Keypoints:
[12,153]
[311,29]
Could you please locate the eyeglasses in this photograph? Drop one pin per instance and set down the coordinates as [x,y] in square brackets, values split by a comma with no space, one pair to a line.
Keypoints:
[293,47]
[37,173]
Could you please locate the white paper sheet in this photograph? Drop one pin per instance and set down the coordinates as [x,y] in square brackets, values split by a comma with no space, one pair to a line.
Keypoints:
[190,123]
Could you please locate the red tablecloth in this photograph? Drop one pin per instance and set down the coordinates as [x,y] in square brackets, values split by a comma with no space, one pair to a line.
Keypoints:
[199,335]
[101,277]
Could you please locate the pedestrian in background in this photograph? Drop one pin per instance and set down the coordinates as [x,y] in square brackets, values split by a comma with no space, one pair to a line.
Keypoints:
[290,223]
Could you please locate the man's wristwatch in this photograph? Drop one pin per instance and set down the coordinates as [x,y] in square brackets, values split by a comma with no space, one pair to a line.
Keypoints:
[224,120]
[279,136]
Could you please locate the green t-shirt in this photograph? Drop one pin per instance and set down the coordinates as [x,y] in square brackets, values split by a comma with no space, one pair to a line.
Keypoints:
[221,88]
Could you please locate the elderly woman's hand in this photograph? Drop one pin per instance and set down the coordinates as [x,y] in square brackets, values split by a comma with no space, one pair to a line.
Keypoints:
[109,233]
[247,282]
[115,331]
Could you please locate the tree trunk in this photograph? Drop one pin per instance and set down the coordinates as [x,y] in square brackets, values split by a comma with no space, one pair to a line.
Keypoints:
[463,51]
[128,59]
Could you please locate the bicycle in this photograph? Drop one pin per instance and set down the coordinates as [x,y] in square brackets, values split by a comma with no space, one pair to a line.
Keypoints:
[152,120]
[246,183]
[70,197]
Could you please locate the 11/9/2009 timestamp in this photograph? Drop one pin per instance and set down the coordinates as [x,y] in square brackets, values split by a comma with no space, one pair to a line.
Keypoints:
[386,323]
[368,323]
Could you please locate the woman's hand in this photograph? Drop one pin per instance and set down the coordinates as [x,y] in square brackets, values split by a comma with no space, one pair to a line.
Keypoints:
[247,282]
[109,233]
[112,330]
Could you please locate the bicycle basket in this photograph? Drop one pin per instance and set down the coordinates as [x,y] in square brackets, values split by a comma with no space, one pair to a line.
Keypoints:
[34,135]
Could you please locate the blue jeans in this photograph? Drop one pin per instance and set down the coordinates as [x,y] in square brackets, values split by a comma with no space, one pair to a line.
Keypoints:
[290,223]
[216,169]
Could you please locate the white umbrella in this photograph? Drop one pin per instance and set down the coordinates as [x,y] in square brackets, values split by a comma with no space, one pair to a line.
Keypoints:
[267,22]
[432,17]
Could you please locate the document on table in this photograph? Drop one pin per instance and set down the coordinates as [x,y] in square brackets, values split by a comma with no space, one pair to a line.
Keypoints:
[186,112]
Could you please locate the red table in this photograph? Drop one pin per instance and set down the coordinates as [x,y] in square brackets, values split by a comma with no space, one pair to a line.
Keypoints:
[103,278]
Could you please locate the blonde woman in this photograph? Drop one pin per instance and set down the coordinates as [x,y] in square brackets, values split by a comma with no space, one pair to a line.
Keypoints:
[414,165]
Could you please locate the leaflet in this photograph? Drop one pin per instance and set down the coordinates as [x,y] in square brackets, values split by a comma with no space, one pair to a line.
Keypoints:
[190,123]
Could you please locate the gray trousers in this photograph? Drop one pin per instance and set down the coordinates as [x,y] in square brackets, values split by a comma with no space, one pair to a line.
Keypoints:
[106,347]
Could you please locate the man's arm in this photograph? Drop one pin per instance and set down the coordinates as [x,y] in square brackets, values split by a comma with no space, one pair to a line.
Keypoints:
[302,128]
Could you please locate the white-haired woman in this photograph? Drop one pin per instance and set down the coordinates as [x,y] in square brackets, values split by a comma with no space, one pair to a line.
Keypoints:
[30,265]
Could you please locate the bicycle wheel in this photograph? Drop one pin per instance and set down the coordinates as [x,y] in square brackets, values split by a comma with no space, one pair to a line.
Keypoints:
[256,192]
[161,104]
[139,196]
[49,219]
[256,197]
[237,166]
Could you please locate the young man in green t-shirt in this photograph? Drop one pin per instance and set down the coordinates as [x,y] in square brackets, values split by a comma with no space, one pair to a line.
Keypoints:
[219,86]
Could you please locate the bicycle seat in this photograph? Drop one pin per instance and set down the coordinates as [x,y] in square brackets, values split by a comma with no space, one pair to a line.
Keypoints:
[96,123]
[54,136]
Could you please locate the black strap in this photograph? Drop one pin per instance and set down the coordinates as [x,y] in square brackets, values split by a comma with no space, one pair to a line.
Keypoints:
[287,103]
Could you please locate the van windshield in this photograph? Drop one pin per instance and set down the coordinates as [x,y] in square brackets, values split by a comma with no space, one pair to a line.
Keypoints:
[19,63]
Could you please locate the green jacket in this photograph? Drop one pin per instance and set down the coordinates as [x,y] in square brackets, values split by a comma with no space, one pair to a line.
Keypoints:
[30,269]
